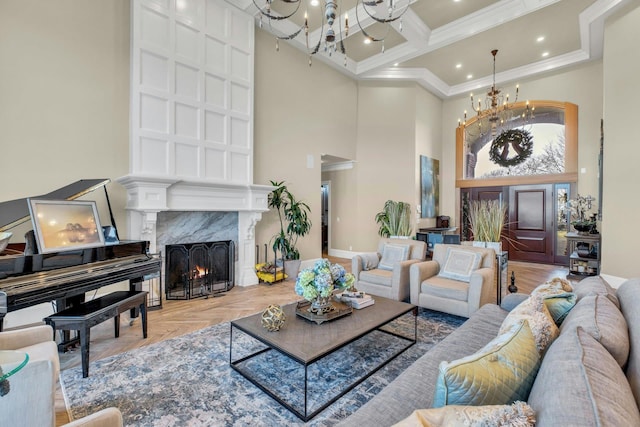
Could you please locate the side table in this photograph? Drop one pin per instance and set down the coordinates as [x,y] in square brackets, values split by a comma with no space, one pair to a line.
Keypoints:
[502,260]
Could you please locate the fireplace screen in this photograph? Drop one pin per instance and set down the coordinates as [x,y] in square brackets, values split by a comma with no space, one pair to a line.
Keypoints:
[198,269]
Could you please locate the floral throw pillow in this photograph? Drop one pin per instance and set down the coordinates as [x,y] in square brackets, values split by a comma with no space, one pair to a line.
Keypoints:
[534,310]
[518,414]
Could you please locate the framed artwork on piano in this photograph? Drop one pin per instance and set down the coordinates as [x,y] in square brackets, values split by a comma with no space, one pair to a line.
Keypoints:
[61,225]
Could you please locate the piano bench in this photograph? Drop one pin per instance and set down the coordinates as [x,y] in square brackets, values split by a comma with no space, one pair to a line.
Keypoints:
[83,316]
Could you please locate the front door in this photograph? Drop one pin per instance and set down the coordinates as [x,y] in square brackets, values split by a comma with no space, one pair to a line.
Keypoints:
[531,225]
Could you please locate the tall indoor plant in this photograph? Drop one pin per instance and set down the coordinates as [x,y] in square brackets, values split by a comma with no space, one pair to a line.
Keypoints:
[293,216]
[487,219]
[395,219]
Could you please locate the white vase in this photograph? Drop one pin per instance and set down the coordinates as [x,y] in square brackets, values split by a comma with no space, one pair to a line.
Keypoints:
[292,267]
[496,246]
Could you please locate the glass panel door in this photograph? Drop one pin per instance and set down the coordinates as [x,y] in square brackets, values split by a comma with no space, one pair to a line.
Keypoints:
[563,216]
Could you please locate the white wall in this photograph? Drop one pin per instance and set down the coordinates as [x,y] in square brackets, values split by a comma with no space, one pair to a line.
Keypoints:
[64,104]
[301,112]
[621,148]
[428,143]
[64,98]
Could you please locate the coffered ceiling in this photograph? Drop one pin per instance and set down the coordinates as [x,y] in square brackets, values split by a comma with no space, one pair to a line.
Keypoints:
[445,45]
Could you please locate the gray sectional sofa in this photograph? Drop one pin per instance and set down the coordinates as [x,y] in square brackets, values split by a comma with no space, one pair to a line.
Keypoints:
[580,382]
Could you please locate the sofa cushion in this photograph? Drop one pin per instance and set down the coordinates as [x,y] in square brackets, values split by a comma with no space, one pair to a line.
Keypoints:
[581,384]
[540,321]
[517,414]
[598,286]
[392,253]
[558,297]
[500,373]
[377,277]
[445,288]
[415,387]
[600,318]
[629,295]
[459,264]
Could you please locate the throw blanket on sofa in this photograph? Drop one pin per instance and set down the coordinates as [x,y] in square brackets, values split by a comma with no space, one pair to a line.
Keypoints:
[369,260]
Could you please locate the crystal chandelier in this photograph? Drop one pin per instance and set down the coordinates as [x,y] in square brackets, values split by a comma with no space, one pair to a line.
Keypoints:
[381,11]
[498,113]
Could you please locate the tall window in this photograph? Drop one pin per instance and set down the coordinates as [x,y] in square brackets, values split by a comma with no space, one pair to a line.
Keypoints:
[485,159]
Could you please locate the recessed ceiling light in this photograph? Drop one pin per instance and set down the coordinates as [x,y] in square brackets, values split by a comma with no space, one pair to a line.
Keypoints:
[314,2]
[540,39]
[181,4]
[458,65]
[456,1]
[367,40]
[545,54]
[469,76]
[396,64]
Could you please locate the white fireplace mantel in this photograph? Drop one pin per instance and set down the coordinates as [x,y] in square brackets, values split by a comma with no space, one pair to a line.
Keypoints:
[147,195]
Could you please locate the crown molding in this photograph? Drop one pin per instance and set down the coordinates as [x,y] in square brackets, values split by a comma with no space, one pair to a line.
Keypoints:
[420,39]
[339,166]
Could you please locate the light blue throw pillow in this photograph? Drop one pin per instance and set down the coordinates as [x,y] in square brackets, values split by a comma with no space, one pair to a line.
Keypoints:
[391,254]
[459,264]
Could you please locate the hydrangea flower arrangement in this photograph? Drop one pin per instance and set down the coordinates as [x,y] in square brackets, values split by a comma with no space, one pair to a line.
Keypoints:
[322,279]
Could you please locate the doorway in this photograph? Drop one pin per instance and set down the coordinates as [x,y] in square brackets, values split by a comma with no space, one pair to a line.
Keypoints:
[325,188]
[536,222]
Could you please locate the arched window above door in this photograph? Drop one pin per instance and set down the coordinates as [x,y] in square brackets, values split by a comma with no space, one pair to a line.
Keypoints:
[552,155]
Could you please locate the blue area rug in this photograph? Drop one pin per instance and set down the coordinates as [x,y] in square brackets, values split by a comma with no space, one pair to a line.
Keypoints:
[187,381]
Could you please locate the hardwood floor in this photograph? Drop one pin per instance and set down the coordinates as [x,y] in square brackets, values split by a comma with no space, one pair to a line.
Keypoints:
[182,317]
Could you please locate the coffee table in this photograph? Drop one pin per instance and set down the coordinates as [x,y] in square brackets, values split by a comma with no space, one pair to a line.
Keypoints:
[307,343]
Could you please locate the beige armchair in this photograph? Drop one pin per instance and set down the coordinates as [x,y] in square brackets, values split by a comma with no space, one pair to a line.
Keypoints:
[385,273]
[452,295]
[31,399]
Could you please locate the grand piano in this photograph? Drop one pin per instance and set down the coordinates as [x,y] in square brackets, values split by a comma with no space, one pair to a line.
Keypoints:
[65,276]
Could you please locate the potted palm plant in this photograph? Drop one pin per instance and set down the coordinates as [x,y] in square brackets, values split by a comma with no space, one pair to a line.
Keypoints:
[293,216]
[487,220]
[395,219]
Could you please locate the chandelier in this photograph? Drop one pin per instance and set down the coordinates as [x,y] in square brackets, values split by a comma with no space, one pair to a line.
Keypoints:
[498,113]
[381,11]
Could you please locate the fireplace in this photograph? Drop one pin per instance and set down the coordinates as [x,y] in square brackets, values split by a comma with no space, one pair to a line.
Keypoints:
[198,269]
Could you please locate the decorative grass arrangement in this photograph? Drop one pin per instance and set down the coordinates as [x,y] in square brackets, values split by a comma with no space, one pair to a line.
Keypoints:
[395,219]
[487,219]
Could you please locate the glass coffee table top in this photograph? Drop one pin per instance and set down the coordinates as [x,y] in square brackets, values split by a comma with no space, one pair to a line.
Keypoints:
[11,361]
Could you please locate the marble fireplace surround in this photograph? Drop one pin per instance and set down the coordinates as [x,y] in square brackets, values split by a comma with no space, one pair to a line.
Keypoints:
[196,210]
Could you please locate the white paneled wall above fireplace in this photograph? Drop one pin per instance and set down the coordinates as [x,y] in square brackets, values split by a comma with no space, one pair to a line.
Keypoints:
[192,122]
[192,90]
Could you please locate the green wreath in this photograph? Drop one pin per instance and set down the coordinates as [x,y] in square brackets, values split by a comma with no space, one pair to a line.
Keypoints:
[519,139]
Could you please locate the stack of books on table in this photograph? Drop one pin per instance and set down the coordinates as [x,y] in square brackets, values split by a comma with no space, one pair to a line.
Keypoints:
[357,300]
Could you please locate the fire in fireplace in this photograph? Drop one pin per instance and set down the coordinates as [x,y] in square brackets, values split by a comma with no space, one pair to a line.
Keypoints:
[198,269]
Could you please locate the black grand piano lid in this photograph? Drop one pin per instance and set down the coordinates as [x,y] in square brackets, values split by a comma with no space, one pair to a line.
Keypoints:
[15,212]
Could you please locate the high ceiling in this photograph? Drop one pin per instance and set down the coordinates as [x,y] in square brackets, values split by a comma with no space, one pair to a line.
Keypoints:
[445,45]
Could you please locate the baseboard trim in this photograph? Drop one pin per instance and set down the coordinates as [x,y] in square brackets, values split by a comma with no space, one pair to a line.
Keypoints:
[339,253]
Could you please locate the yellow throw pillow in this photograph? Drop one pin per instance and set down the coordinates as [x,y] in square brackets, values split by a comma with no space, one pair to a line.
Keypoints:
[500,373]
